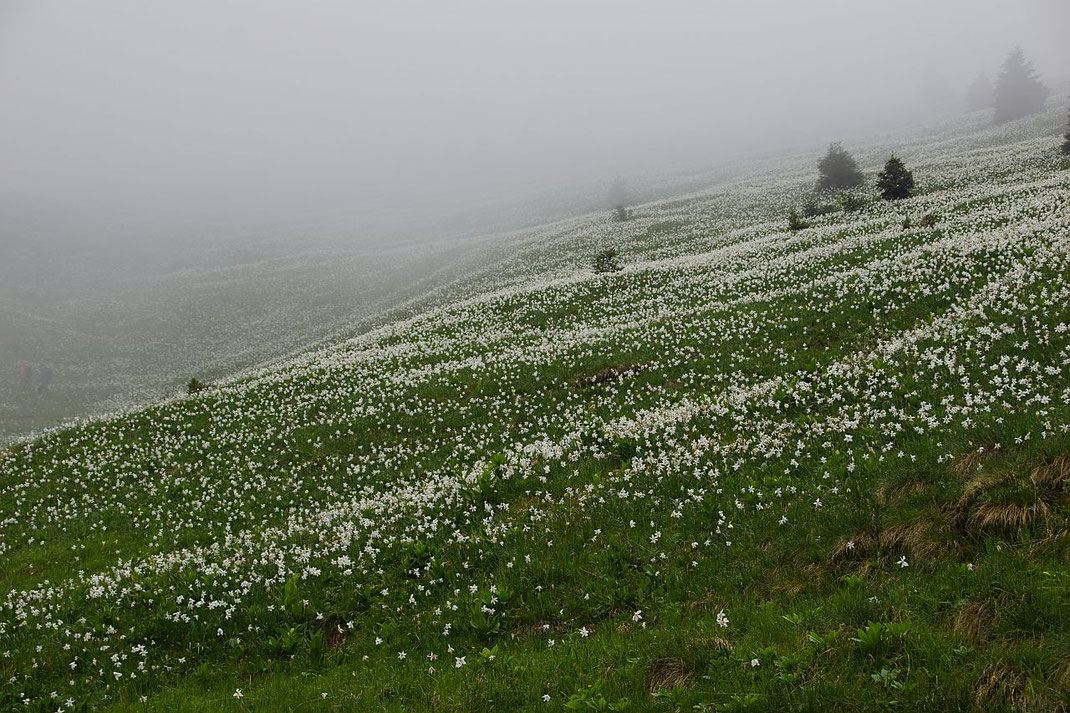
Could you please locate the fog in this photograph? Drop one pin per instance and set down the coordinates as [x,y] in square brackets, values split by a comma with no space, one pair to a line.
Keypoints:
[246,110]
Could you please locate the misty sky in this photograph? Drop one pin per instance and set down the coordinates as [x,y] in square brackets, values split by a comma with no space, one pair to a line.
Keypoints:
[245,107]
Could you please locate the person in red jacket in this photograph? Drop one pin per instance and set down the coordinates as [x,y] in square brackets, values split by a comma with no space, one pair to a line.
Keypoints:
[24,375]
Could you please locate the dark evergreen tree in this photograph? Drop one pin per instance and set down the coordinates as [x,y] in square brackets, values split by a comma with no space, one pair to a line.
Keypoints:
[895,182]
[838,170]
[979,95]
[1019,92]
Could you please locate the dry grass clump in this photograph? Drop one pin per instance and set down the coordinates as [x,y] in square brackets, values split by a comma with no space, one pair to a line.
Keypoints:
[666,673]
[924,538]
[975,620]
[1009,502]
[1002,688]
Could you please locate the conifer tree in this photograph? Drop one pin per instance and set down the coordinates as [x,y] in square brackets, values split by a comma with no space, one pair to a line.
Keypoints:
[895,181]
[839,170]
[1019,92]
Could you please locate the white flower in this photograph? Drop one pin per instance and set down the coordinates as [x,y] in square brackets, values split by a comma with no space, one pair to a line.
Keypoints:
[238,693]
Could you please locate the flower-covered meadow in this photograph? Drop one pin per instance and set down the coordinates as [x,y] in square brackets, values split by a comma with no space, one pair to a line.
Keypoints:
[754,470]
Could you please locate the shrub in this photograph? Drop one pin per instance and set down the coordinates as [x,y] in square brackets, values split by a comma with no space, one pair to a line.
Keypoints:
[839,171]
[195,385]
[607,261]
[929,220]
[813,209]
[795,223]
[852,203]
[895,182]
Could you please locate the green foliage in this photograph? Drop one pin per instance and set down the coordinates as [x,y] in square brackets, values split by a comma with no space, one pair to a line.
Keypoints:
[895,182]
[929,220]
[416,557]
[876,637]
[853,203]
[591,698]
[317,647]
[284,644]
[195,385]
[838,170]
[795,223]
[607,260]
[813,209]
[291,600]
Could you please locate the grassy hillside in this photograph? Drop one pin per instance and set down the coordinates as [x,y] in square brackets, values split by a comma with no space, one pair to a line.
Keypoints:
[123,322]
[755,470]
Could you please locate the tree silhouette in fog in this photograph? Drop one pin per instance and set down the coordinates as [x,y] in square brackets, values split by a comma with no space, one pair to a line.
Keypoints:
[1019,92]
[839,171]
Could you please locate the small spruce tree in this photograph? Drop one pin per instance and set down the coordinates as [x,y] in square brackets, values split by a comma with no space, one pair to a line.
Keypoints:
[895,182]
[1019,92]
[839,171]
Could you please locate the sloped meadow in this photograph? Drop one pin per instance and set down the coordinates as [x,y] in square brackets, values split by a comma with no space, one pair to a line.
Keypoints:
[754,470]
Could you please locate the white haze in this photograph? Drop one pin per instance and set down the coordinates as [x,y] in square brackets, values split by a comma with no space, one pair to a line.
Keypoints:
[247,110]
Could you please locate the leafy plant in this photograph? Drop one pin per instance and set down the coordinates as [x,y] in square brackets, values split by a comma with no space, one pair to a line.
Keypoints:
[284,644]
[852,203]
[591,698]
[929,220]
[607,261]
[795,223]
